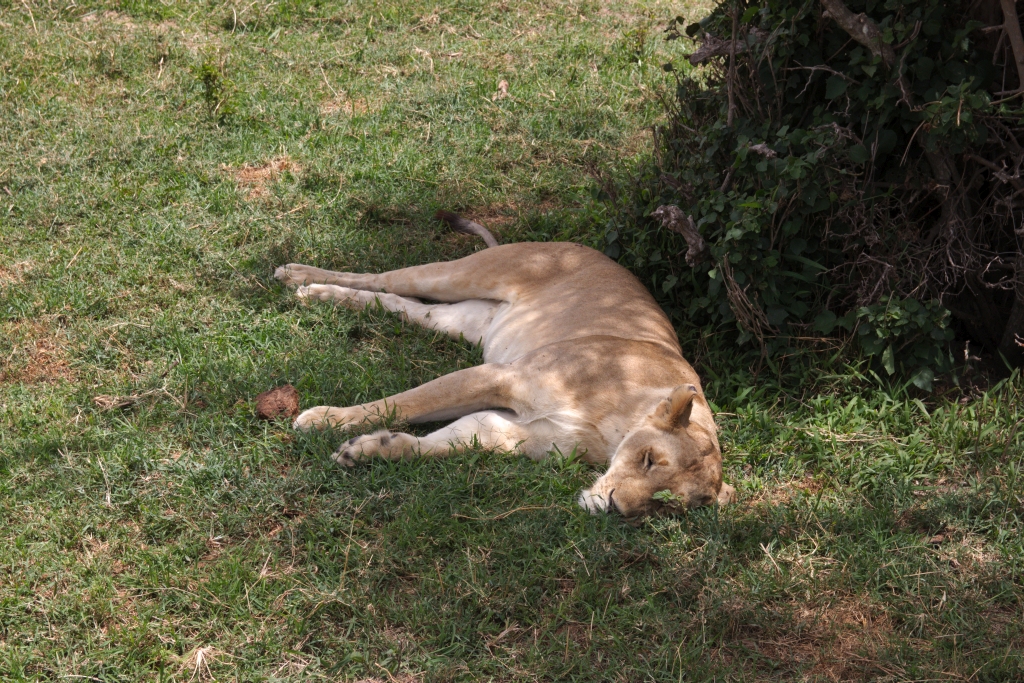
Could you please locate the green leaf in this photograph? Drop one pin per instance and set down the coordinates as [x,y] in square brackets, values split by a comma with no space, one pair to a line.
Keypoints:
[825,322]
[924,68]
[834,87]
[776,315]
[808,262]
[888,362]
[859,154]
[922,379]
[666,497]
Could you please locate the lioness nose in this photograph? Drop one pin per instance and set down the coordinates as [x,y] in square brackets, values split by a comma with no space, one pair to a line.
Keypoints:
[612,507]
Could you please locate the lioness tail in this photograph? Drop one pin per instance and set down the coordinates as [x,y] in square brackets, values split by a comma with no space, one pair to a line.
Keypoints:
[466,226]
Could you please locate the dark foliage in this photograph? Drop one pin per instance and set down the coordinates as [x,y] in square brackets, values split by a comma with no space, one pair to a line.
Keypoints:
[872,187]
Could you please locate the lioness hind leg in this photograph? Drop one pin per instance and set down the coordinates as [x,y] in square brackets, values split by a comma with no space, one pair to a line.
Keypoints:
[498,274]
[450,396]
[487,429]
[469,319]
[300,274]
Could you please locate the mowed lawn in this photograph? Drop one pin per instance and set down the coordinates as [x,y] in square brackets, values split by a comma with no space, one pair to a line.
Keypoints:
[159,158]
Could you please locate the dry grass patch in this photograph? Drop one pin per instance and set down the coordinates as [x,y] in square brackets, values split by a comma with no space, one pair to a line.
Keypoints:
[835,638]
[256,179]
[14,274]
[39,354]
[109,18]
[341,104]
[782,494]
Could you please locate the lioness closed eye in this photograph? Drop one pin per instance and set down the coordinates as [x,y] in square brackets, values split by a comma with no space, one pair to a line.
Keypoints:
[577,355]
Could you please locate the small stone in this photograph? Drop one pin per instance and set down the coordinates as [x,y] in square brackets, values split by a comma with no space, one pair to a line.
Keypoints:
[282,401]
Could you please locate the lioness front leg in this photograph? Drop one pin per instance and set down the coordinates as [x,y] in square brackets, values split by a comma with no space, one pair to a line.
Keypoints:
[487,429]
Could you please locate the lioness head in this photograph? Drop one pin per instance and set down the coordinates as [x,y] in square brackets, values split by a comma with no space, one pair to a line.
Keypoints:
[667,452]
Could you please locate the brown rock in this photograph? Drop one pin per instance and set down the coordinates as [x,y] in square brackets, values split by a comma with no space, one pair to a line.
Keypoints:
[280,402]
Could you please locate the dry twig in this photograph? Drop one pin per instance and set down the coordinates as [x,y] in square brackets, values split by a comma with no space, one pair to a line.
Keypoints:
[750,317]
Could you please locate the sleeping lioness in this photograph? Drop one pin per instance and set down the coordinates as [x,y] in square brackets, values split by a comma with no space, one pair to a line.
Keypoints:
[577,356]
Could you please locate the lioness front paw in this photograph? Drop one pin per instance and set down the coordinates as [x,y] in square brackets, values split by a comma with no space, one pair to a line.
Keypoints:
[384,443]
[321,417]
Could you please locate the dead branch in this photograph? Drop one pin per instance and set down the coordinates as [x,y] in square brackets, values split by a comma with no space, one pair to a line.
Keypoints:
[673,218]
[998,171]
[732,65]
[1015,323]
[862,29]
[750,317]
[712,46]
[764,150]
[1011,22]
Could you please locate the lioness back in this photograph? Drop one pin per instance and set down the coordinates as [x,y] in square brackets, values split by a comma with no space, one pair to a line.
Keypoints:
[561,291]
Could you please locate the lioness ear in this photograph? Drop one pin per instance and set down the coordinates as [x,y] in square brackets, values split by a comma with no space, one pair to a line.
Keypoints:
[674,411]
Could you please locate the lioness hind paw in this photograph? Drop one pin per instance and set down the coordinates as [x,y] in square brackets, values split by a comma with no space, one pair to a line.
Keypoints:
[290,274]
[383,443]
[294,274]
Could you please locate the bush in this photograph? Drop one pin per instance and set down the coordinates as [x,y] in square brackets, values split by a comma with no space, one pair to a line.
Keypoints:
[840,181]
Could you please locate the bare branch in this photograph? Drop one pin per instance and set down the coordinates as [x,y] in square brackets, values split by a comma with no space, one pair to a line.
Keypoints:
[712,46]
[764,150]
[862,29]
[1011,22]
[998,171]
[732,65]
[673,218]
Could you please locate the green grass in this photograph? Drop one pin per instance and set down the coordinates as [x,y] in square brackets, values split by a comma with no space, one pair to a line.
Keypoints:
[179,538]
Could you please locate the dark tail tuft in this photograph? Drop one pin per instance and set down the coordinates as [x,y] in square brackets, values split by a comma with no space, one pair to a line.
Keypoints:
[466,226]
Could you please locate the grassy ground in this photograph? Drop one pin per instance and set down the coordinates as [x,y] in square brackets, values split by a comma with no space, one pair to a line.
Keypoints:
[157,159]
